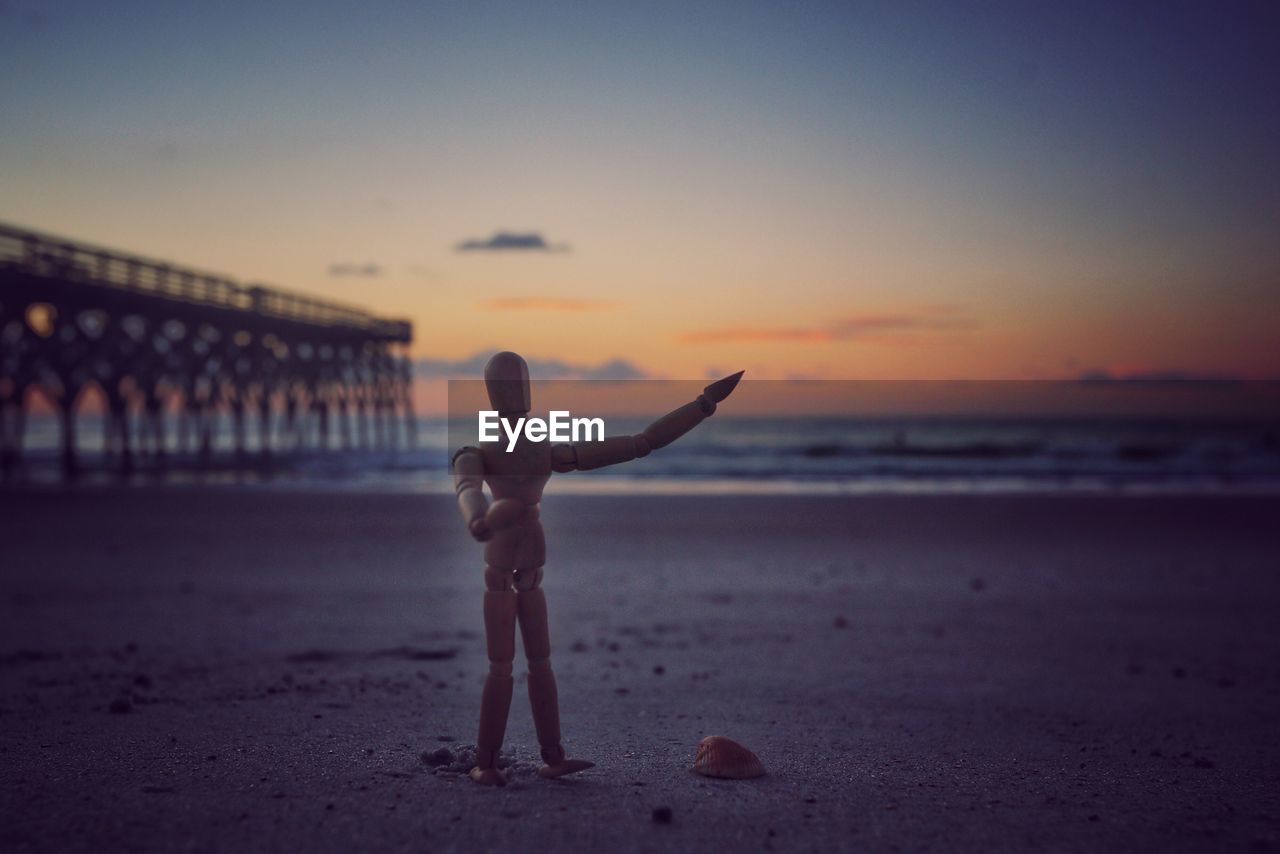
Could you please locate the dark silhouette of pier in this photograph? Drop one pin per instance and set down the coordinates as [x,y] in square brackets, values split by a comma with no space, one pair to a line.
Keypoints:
[162,341]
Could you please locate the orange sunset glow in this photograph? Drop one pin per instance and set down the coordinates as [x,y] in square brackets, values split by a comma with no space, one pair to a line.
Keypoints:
[751,203]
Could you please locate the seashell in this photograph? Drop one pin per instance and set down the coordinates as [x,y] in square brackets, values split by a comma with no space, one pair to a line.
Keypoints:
[723,757]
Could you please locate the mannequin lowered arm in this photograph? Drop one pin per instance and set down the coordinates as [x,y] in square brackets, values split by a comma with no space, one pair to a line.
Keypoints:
[584,456]
[468,482]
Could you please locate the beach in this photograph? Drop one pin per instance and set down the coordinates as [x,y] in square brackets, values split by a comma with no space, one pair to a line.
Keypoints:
[224,669]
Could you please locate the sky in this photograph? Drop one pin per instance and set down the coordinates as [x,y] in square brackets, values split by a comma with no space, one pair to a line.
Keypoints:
[836,191]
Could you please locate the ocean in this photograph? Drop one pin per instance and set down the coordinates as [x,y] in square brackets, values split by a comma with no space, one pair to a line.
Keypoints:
[728,454]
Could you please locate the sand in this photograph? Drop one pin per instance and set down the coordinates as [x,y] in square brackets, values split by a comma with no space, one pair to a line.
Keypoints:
[266,671]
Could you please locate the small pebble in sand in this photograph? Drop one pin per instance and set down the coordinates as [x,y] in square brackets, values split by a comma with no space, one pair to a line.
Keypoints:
[841,623]
[662,815]
[464,760]
[439,756]
[120,706]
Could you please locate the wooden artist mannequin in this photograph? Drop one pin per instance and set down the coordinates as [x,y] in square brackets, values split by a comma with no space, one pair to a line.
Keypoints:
[515,549]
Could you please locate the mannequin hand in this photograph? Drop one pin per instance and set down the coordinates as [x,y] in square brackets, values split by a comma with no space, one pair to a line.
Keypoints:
[480,530]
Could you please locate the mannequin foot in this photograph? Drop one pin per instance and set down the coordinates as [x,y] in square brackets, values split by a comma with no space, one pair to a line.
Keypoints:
[488,776]
[564,766]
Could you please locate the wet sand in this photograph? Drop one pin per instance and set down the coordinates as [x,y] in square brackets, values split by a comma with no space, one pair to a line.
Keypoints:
[258,671]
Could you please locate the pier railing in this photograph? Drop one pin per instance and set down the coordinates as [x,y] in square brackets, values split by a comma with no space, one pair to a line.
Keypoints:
[50,256]
[163,341]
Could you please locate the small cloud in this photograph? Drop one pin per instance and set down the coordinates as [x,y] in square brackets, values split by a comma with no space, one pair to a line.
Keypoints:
[614,369]
[472,367]
[165,151]
[547,304]
[357,270]
[844,329]
[505,241]
[468,368]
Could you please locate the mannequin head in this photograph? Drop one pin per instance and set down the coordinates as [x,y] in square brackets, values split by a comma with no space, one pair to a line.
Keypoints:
[506,377]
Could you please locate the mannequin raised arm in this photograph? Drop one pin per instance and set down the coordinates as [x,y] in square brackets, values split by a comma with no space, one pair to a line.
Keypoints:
[583,456]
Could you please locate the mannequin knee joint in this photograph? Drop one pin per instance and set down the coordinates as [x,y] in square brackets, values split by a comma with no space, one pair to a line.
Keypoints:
[528,579]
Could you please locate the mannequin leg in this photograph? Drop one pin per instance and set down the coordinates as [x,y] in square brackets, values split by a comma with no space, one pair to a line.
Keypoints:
[531,606]
[495,702]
